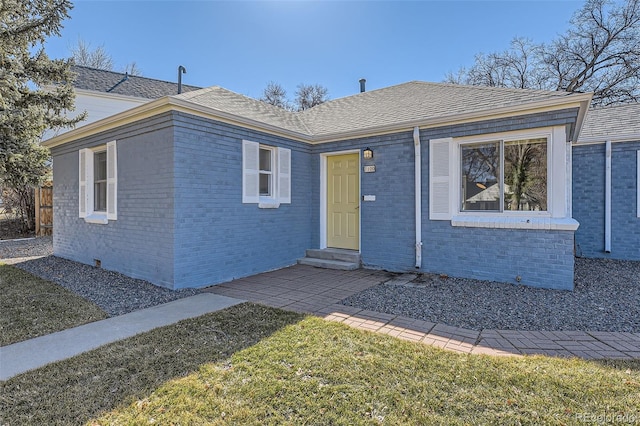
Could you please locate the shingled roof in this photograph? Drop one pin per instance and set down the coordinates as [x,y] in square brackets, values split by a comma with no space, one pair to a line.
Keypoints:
[402,104]
[124,84]
[612,121]
[387,110]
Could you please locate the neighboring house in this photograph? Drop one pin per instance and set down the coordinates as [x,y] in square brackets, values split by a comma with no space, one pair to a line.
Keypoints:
[104,93]
[200,188]
[606,183]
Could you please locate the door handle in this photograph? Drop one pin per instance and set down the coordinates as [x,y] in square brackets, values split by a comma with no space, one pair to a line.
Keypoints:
[357,207]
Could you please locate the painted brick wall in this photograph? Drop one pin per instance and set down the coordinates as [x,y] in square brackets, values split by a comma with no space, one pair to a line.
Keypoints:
[589,195]
[387,224]
[140,242]
[217,237]
[539,258]
[182,222]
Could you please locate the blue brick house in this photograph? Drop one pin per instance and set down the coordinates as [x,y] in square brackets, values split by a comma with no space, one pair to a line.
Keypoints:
[199,188]
[606,183]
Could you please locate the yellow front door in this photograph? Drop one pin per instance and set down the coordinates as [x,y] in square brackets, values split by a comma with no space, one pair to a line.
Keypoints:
[343,201]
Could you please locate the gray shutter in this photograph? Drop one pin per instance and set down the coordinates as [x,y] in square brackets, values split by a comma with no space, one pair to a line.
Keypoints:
[284,175]
[250,172]
[440,178]
[112,181]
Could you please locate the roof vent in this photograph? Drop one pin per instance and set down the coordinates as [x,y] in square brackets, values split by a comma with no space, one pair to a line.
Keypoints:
[362,83]
[125,78]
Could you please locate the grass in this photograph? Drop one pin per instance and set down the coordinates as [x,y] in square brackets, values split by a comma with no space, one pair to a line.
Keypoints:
[32,307]
[251,364]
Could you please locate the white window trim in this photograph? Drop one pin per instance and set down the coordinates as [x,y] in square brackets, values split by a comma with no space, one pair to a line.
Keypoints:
[280,175]
[556,217]
[85,190]
[272,198]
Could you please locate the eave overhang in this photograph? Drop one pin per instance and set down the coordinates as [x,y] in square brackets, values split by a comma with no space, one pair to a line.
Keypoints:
[168,104]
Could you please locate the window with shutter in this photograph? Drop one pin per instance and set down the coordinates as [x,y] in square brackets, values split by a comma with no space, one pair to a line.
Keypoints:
[512,180]
[98,183]
[266,175]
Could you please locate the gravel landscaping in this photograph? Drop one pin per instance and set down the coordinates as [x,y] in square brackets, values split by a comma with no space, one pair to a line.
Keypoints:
[606,298]
[13,251]
[606,295]
[115,293]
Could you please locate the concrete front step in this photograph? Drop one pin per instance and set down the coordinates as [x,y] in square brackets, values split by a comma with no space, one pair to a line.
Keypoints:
[329,263]
[335,254]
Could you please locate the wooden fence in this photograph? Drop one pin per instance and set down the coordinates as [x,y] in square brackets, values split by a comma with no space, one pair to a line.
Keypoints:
[44,209]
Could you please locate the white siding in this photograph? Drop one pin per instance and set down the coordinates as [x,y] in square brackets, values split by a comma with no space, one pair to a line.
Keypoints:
[97,106]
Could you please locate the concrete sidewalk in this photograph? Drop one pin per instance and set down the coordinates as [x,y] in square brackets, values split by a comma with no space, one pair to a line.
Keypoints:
[30,354]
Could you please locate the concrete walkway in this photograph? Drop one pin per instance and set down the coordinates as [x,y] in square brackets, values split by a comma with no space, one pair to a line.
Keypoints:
[34,353]
[318,291]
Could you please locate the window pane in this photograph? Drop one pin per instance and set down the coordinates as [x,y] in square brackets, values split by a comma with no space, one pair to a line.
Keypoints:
[100,166]
[525,175]
[265,159]
[100,181]
[100,196]
[265,184]
[480,177]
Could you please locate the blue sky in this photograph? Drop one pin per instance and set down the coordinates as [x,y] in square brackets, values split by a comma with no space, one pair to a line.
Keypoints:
[243,45]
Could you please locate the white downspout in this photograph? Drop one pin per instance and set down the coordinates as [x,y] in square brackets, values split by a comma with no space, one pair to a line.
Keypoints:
[418,190]
[607,198]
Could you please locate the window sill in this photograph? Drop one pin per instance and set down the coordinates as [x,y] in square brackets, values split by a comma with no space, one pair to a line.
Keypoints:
[100,219]
[268,205]
[512,222]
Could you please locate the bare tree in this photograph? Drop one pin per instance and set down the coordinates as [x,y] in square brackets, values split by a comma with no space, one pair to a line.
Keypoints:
[310,95]
[84,55]
[274,94]
[132,69]
[307,96]
[600,53]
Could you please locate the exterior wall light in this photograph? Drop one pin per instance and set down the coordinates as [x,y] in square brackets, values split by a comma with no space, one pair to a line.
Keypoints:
[367,154]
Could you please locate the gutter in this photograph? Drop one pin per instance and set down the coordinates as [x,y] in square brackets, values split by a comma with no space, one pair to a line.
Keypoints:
[593,140]
[607,198]
[418,195]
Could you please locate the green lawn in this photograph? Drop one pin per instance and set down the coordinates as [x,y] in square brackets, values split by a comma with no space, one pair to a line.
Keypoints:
[251,364]
[32,307]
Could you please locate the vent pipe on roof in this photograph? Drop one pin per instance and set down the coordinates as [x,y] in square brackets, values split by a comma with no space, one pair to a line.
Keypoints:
[181,70]
[125,78]
[362,83]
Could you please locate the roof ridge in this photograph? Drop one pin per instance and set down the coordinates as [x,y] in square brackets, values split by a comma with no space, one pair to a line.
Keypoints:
[255,104]
[123,74]
[626,104]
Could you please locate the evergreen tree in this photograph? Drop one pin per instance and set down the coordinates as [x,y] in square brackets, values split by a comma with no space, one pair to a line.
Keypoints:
[35,91]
